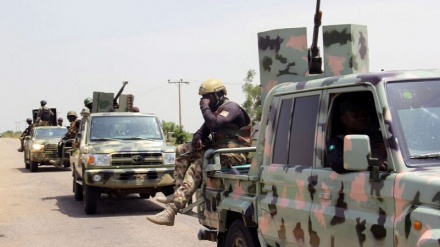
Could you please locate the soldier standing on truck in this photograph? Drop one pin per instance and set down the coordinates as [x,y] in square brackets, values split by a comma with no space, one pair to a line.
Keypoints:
[26,132]
[71,134]
[60,121]
[229,127]
[88,103]
[43,115]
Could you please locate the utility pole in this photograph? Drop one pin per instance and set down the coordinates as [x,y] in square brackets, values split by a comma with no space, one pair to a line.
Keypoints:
[180,107]
[17,126]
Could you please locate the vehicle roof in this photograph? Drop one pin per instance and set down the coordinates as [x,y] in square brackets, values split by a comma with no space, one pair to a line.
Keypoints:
[122,114]
[353,79]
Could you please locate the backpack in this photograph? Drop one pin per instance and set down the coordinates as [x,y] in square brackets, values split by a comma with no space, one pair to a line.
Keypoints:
[45,114]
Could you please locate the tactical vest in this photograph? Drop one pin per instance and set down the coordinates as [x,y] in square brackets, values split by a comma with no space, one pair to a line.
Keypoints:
[71,133]
[232,135]
[45,114]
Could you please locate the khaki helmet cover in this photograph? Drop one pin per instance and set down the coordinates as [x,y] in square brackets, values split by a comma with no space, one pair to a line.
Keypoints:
[72,113]
[212,86]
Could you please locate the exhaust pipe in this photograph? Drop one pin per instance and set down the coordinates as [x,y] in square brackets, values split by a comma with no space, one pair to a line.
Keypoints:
[205,234]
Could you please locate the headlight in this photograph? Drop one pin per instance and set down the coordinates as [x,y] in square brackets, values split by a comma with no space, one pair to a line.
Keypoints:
[97,159]
[169,158]
[37,146]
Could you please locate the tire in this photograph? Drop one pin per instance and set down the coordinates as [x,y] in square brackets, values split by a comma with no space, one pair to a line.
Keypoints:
[239,235]
[144,195]
[77,189]
[33,166]
[90,198]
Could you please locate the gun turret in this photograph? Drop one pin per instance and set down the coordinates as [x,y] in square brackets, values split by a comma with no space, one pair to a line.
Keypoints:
[315,60]
[115,100]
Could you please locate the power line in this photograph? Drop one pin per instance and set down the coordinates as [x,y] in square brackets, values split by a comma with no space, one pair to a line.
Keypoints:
[180,107]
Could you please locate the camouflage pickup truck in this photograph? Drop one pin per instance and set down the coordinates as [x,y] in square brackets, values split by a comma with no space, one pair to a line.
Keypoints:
[42,145]
[120,153]
[290,196]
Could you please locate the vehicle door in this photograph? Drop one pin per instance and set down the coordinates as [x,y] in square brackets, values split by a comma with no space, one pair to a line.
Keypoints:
[76,153]
[285,201]
[348,209]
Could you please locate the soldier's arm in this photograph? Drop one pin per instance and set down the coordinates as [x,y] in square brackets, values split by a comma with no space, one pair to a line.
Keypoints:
[222,117]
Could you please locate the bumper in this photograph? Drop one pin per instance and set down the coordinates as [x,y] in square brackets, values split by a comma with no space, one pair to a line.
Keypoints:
[43,157]
[130,178]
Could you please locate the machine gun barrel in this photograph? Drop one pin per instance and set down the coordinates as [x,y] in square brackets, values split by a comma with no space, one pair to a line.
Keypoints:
[115,100]
[315,61]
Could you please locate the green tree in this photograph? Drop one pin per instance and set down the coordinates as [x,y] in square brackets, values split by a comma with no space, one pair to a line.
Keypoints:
[252,103]
[180,135]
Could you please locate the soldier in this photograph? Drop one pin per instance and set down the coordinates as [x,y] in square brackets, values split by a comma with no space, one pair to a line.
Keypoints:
[44,114]
[229,126]
[88,102]
[26,132]
[71,133]
[60,121]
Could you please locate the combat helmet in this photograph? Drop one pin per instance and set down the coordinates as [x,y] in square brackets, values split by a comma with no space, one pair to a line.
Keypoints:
[60,119]
[88,101]
[29,120]
[43,103]
[72,113]
[212,86]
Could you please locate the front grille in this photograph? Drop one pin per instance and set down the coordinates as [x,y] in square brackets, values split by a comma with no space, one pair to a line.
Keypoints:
[51,148]
[148,175]
[136,159]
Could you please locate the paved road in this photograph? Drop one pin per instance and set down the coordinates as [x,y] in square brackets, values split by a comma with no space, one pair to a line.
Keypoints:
[38,209]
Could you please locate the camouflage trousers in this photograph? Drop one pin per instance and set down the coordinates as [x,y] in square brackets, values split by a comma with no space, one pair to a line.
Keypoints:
[192,174]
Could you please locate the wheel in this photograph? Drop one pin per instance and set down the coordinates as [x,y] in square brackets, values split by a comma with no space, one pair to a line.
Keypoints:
[144,195]
[77,188]
[239,235]
[90,198]
[33,166]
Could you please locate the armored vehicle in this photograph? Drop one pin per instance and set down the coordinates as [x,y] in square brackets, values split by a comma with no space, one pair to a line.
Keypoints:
[41,146]
[120,153]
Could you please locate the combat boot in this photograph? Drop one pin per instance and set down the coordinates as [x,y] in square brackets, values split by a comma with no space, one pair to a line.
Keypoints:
[20,149]
[165,200]
[165,217]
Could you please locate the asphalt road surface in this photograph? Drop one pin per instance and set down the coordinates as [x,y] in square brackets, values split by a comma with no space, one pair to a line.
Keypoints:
[38,209]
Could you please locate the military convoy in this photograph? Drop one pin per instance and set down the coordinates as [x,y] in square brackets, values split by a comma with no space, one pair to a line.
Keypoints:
[120,152]
[288,195]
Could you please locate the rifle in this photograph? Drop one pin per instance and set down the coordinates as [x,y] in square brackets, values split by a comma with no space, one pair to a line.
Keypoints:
[115,100]
[315,60]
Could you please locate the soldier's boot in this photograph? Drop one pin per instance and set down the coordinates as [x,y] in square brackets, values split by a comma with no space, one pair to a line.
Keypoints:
[56,162]
[20,149]
[166,199]
[165,217]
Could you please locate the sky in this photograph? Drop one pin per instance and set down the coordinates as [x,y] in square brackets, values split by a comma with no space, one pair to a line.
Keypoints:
[62,51]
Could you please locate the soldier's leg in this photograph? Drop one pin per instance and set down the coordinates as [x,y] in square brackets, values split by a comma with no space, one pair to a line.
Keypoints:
[190,184]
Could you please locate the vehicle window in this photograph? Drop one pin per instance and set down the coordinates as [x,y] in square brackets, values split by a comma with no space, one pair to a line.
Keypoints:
[125,127]
[415,107]
[295,132]
[47,133]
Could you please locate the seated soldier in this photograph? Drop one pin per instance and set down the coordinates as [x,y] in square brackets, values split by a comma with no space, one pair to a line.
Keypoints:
[356,119]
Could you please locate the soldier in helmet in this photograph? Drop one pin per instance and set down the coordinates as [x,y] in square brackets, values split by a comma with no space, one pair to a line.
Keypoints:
[228,125]
[44,114]
[88,103]
[71,133]
[60,121]
[26,132]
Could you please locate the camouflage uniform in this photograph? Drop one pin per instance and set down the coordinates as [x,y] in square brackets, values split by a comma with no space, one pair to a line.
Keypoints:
[25,133]
[236,133]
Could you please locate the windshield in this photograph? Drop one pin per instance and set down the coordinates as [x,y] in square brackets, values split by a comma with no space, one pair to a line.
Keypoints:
[416,107]
[48,133]
[105,128]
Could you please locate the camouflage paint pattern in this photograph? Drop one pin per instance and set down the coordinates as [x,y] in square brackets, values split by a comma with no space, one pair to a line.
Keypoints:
[149,172]
[314,206]
[283,54]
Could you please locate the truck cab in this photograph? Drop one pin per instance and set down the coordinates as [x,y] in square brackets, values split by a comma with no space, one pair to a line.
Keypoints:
[290,196]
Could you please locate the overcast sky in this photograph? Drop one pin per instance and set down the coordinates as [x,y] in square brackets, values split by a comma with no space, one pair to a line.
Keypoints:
[62,51]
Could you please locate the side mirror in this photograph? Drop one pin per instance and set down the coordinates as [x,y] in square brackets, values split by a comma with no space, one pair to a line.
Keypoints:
[357,152]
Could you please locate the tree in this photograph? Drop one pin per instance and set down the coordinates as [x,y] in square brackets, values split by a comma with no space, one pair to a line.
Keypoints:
[252,103]
[180,135]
